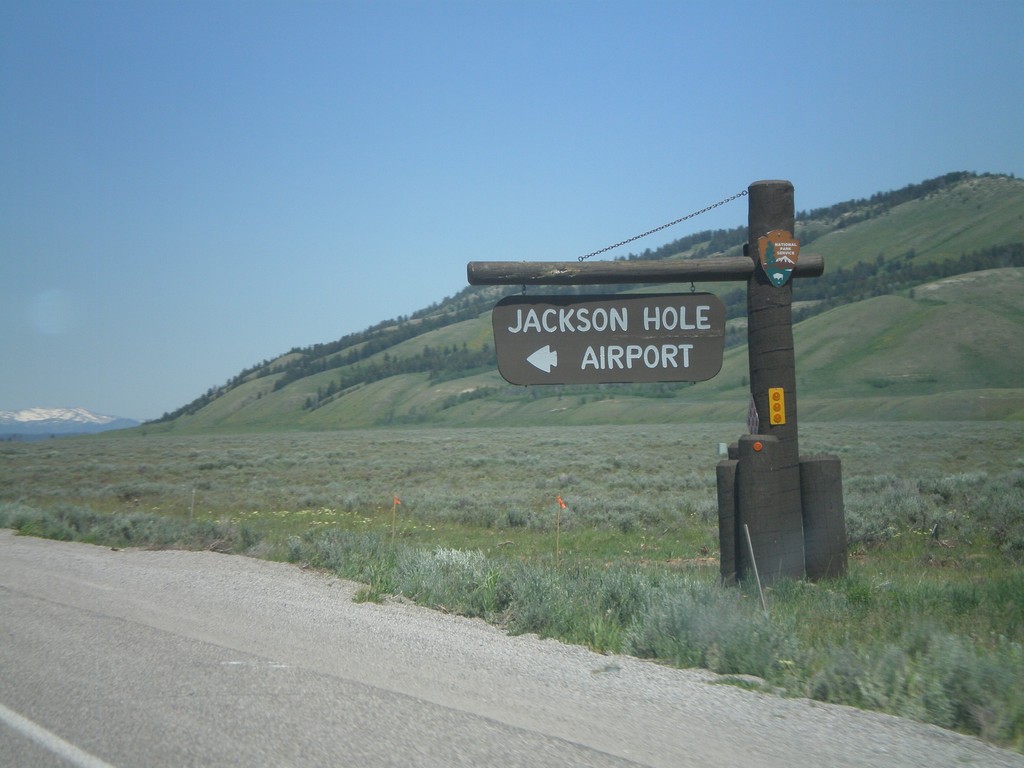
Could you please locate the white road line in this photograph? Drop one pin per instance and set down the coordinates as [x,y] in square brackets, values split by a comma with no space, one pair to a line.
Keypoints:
[51,741]
[261,664]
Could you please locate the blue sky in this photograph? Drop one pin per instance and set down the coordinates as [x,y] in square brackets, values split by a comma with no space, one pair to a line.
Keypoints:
[189,188]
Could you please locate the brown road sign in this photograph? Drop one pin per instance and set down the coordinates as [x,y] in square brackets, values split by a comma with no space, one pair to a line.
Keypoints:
[609,339]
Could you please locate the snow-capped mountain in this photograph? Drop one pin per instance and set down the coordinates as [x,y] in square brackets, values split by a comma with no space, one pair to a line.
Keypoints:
[58,421]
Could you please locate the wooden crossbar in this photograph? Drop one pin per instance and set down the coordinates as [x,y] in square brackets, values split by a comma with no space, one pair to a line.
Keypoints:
[624,272]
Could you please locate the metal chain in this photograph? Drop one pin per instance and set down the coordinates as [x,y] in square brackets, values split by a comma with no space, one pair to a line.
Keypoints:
[665,226]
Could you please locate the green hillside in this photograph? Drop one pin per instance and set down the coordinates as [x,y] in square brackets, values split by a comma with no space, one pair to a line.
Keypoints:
[919,316]
[943,350]
[940,222]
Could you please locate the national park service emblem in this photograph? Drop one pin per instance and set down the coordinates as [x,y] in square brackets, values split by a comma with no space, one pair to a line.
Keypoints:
[779,253]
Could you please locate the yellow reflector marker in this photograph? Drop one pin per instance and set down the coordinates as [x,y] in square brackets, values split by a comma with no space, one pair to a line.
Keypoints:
[777,405]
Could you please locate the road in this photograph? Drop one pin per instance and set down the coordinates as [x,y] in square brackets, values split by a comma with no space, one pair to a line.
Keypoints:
[161,658]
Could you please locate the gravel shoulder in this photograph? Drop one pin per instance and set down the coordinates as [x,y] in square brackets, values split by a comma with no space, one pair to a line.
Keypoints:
[630,712]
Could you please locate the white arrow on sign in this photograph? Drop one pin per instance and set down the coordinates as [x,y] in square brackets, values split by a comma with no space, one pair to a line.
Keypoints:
[544,358]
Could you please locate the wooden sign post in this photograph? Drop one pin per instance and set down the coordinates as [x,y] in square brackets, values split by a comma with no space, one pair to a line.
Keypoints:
[791,508]
[792,505]
[768,474]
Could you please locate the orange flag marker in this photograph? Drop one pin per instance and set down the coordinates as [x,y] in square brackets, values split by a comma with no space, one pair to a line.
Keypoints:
[558,527]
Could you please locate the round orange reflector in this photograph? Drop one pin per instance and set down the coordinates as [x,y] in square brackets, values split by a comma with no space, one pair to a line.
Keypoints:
[758,445]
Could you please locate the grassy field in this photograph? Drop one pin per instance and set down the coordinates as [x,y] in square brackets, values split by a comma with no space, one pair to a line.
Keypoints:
[929,622]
